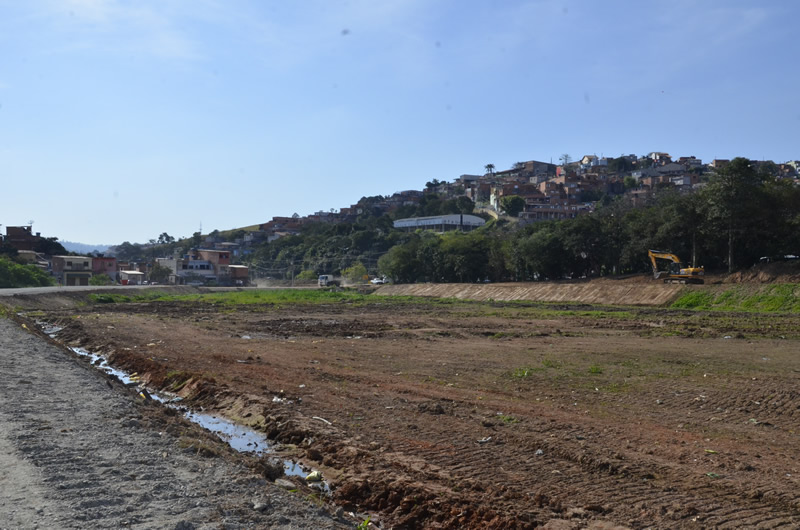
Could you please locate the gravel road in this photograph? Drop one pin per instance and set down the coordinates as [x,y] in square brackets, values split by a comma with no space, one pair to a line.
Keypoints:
[78,451]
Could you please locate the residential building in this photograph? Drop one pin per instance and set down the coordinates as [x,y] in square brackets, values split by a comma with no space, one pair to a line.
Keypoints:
[220,261]
[22,237]
[690,162]
[240,275]
[131,277]
[546,208]
[659,158]
[104,265]
[72,270]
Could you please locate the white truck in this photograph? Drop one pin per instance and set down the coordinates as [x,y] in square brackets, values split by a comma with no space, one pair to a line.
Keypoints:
[327,280]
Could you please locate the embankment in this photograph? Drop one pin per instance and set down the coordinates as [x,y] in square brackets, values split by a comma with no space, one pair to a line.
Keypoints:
[603,292]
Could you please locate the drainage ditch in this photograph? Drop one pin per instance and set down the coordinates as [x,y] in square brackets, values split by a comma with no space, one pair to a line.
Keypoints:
[240,438]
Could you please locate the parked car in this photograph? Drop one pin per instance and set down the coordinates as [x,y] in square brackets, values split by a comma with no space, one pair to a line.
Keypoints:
[378,281]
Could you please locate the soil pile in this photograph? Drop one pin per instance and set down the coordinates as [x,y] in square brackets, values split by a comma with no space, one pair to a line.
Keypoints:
[775,272]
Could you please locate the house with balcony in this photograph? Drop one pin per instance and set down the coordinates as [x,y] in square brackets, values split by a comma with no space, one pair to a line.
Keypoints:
[72,270]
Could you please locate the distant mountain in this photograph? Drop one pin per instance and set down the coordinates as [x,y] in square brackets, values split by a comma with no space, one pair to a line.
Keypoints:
[83,248]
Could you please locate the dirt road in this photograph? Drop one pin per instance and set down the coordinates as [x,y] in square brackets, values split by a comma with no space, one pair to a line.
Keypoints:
[78,451]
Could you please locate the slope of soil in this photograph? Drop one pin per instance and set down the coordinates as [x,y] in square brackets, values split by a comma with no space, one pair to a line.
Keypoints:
[449,414]
[586,292]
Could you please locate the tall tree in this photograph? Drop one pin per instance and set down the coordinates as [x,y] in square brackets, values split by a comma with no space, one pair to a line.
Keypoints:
[732,195]
[512,205]
[489,168]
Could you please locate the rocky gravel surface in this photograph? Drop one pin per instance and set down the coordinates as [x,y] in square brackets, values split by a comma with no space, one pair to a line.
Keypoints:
[78,450]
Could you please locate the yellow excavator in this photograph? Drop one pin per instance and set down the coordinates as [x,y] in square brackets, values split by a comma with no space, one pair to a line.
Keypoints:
[678,272]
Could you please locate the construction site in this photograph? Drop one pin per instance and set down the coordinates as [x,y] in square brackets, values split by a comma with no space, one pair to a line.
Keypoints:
[589,404]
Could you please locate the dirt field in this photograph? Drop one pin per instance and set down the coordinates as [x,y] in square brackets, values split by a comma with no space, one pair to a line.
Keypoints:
[80,451]
[459,414]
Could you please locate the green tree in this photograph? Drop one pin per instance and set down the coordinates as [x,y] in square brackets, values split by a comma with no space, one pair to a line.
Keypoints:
[431,185]
[307,275]
[489,169]
[15,275]
[630,183]
[165,239]
[127,251]
[49,246]
[160,273]
[7,250]
[512,205]
[465,205]
[355,273]
[401,263]
[732,195]
[620,165]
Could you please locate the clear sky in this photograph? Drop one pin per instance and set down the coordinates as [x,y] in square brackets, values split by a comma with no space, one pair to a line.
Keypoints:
[120,120]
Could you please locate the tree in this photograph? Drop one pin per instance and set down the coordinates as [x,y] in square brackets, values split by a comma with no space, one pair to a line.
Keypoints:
[16,275]
[127,251]
[732,196]
[512,205]
[307,274]
[160,273]
[50,246]
[400,263]
[432,185]
[489,168]
[464,204]
[355,273]
[620,165]
[165,239]
[630,183]
[565,159]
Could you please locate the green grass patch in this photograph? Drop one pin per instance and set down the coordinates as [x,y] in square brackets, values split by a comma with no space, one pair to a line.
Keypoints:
[595,369]
[550,363]
[778,298]
[522,373]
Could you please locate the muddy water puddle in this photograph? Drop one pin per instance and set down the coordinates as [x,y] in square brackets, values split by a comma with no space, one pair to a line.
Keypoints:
[240,438]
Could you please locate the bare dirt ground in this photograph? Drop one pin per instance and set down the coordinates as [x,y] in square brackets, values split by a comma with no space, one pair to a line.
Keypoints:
[80,451]
[492,415]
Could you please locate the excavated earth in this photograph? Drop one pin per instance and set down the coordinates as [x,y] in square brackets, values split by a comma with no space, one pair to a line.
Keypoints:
[465,414]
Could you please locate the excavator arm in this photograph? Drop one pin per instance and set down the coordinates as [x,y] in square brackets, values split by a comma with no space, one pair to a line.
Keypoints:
[677,271]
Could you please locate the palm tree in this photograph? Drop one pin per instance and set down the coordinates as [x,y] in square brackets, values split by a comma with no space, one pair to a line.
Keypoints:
[489,168]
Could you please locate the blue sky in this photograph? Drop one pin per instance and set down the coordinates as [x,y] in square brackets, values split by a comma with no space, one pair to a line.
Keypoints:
[120,120]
